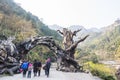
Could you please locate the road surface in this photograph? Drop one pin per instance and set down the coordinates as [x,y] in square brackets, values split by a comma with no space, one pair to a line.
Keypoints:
[54,75]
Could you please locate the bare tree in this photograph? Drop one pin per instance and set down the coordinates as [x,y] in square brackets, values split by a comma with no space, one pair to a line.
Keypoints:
[68,43]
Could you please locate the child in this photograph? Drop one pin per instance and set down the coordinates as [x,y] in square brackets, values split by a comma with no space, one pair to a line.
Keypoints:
[30,66]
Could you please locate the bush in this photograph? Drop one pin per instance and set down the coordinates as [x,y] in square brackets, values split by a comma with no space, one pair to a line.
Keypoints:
[94,59]
[101,71]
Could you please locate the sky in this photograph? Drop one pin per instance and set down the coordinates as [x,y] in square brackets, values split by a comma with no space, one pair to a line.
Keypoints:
[88,13]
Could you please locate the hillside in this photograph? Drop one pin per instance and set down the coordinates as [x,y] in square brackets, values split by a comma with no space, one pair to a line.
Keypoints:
[16,21]
[55,27]
[105,44]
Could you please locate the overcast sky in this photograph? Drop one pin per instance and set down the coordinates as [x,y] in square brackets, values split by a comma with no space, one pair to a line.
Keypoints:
[88,13]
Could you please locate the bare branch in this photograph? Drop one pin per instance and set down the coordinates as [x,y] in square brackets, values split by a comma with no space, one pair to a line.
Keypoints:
[73,46]
[60,32]
[75,32]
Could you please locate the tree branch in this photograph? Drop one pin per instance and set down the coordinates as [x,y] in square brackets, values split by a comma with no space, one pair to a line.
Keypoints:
[75,32]
[60,32]
[74,45]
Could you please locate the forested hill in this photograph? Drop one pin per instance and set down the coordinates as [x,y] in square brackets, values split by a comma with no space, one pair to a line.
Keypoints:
[106,43]
[15,21]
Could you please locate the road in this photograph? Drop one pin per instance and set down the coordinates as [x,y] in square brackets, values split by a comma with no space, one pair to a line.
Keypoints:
[54,75]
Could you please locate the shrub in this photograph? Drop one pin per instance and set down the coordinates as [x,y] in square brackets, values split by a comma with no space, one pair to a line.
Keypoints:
[94,59]
[101,71]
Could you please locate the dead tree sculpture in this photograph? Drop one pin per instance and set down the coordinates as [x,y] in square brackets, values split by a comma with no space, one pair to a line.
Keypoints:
[68,43]
[11,54]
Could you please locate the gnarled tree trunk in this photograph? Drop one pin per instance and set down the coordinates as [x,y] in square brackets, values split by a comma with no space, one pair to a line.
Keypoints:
[10,62]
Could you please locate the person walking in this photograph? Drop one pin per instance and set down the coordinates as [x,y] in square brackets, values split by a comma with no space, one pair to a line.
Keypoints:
[47,67]
[35,67]
[24,67]
[39,67]
[30,67]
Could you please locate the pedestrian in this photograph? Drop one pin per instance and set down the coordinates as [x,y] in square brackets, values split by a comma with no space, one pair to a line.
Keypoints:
[35,67]
[39,67]
[24,67]
[30,67]
[47,67]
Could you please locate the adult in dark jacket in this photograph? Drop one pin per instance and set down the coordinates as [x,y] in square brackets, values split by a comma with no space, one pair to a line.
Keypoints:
[35,67]
[39,67]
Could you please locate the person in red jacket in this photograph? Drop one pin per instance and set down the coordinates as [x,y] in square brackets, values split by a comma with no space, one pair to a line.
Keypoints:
[47,67]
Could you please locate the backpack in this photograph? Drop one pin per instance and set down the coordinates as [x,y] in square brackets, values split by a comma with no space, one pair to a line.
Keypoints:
[30,67]
[39,64]
[24,65]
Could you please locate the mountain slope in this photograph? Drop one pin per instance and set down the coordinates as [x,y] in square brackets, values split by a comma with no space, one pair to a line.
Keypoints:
[106,43]
[16,21]
[55,27]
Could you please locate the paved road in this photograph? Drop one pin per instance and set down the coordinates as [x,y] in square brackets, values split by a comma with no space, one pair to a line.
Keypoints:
[54,75]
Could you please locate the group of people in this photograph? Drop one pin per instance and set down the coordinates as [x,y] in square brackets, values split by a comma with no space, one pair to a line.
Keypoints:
[27,67]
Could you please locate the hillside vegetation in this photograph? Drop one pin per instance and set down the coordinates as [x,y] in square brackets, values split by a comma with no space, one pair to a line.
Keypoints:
[105,44]
[16,21]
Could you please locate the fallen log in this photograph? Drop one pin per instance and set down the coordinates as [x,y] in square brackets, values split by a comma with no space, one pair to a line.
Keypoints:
[11,71]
